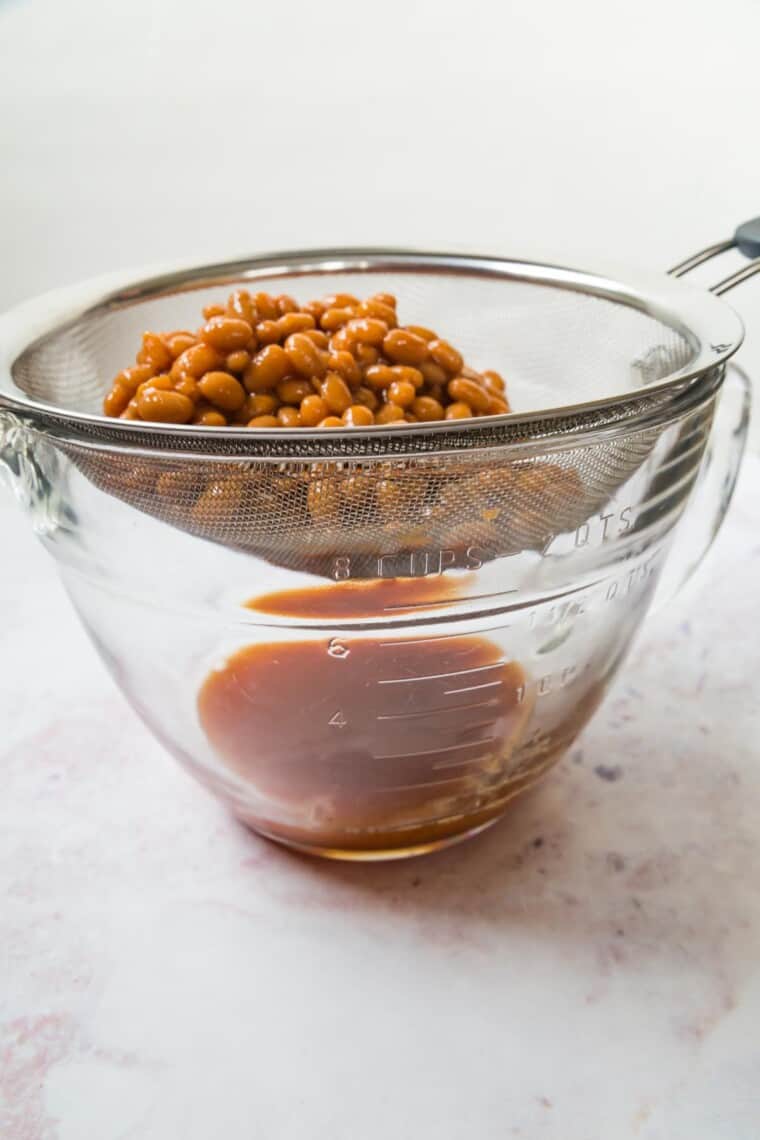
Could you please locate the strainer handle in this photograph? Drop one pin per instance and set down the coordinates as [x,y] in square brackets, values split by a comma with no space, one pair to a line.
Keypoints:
[714,487]
[746,239]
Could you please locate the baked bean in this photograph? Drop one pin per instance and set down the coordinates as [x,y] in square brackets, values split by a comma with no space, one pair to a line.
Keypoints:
[384,299]
[178,342]
[241,305]
[261,404]
[403,393]
[426,408]
[164,407]
[304,355]
[316,308]
[367,397]
[331,422]
[220,501]
[162,383]
[374,308]
[293,323]
[367,330]
[494,382]
[209,417]
[155,353]
[264,421]
[497,406]
[408,374]
[238,361]
[195,361]
[226,333]
[446,355]
[458,411]
[421,331]
[340,341]
[288,416]
[266,307]
[131,412]
[117,399]
[187,386]
[268,332]
[334,319]
[358,416]
[470,393]
[341,301]
[432,373]
[222,390]
[210,311]
[316,336]
[286,304]
[404,347]
[132,378]
[345,365]
[293,391]
[313,410]
[267,369]
[389,414]
[366,355]
[380,376]
[336,393]
[410,418]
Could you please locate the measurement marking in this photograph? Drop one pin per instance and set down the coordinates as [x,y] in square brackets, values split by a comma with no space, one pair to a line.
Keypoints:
[441,676]
[434,712]
[446,764]
[424,640]
[435,751]
[472,688]
[448,601]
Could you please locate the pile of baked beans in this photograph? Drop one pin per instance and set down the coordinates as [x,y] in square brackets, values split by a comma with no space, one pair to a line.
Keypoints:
[264,361]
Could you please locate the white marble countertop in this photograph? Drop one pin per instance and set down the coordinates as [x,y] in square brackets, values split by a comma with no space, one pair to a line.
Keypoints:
[587,970]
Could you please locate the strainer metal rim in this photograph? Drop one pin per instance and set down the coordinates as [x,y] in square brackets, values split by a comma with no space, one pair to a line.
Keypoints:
[710,326]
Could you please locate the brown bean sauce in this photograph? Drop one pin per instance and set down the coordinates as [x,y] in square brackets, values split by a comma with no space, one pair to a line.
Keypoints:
[351,733]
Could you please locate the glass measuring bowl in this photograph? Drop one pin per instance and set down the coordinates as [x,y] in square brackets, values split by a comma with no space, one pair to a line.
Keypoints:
[401,719]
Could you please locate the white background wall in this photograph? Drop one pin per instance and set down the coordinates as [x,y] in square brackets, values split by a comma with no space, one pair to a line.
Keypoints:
[591,133]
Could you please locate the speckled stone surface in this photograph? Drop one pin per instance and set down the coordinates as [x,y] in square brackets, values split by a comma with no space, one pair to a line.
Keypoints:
[587,970]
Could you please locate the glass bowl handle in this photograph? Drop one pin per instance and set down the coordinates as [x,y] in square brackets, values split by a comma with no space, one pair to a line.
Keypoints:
[714,486]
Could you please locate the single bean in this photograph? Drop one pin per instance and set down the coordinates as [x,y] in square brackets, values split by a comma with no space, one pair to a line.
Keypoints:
[209,417]
[304,355]
[384,299]
[210,311]
[427,408]
[470,393]
[366,355]
[497,406]
[288,416]
[285,304]
[267,369]
[223,391]
[340,301]
[293,391]
[403,393]
[331,422]
[374,308]
[160,406]
[268,332]
[313,410]
[432,372]
[447,356]
[227,333]
[266,307]
[261,404]
[366,396]
[187,386]
[293,323]
[494,382]
[241,305]
[404,347]
[389,414]
[336,393]
[195,361]
[421,331]
[264,421]
[408,374]
[178,342]
[344,363]
[367,330]
[155,353]
[358,416]
[316,336]
[458,411]
[334,319]
[237,361]
[117,399]
[380,376]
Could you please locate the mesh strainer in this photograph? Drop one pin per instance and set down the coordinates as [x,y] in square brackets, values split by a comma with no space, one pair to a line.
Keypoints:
[596,370]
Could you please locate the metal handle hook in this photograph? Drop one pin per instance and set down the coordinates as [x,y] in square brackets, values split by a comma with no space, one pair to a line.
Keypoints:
[746,240]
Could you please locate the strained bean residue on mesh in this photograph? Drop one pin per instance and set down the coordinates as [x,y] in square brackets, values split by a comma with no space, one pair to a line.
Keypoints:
[264,361]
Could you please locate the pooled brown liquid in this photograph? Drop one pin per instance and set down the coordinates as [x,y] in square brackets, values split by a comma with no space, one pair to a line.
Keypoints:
[361,735]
